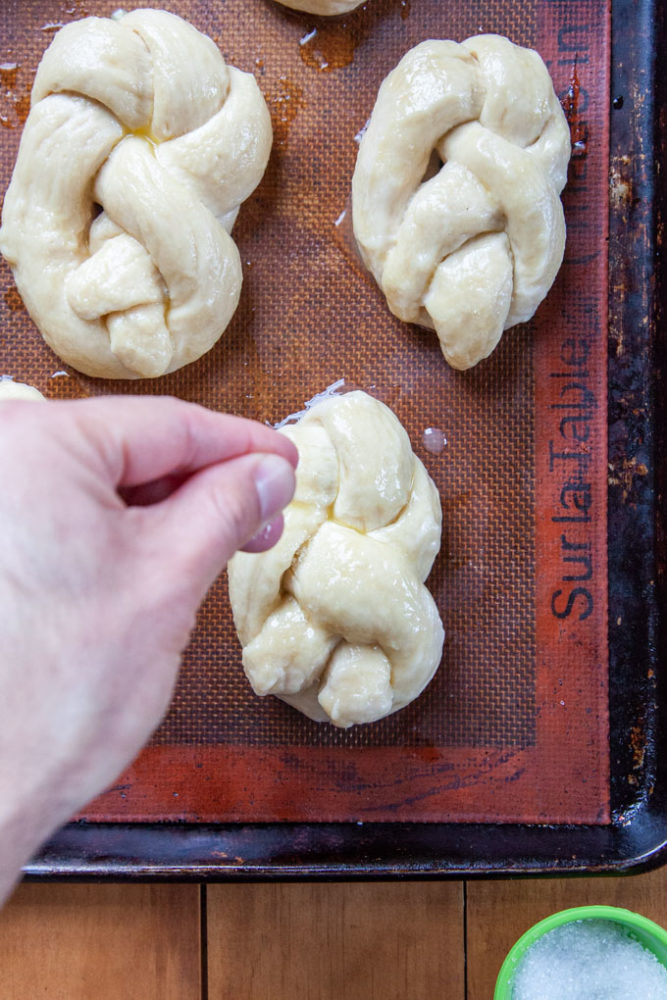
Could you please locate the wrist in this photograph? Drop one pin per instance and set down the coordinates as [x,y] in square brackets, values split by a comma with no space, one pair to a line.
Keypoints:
[24,826]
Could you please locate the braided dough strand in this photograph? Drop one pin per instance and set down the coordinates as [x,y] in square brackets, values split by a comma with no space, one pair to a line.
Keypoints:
[455,193]
[139,148]
[335,619]
[327,8]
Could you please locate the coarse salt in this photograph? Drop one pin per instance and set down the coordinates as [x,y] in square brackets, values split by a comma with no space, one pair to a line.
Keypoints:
[591,959]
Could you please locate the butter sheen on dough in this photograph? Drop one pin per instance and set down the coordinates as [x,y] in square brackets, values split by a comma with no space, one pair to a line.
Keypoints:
[335,619]
[455,193]
[139,148]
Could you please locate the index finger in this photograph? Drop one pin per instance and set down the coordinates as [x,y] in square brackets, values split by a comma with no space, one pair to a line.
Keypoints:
[143,438]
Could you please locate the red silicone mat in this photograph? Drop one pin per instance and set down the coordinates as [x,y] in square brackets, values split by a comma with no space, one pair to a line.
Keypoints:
[514,727]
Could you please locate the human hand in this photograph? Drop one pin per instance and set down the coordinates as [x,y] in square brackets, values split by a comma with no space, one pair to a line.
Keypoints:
[117,514]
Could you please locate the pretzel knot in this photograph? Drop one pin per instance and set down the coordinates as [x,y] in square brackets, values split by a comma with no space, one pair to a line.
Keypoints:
[456,189]
[335,619]
[140,145]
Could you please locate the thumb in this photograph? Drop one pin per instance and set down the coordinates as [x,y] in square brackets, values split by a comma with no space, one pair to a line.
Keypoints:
[216,511]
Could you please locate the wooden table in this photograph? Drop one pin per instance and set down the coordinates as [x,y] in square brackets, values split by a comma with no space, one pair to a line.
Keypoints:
[353,941]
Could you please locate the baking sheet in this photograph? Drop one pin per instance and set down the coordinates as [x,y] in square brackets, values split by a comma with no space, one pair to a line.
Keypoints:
[515,727]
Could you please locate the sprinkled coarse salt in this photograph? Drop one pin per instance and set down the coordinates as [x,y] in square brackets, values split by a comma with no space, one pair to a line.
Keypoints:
[331,390]
[589,960]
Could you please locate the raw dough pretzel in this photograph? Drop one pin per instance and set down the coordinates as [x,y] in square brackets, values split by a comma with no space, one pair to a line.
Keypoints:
[139,116]
[322,7]
[455,193]
[9,389]
[335,619]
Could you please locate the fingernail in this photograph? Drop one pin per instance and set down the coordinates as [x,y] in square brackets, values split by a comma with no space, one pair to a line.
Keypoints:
[266,537]
[274,482]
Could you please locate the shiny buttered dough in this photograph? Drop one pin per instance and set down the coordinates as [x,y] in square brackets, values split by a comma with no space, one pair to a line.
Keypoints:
[9,389]
[140,145]
[455,193]
[323,7]
[335,619]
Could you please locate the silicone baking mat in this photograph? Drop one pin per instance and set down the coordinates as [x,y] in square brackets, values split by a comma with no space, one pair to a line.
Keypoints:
[514,726]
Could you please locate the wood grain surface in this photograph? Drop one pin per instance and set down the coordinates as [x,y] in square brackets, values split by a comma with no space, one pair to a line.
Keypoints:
[342,941]
[135,942]
[357,941]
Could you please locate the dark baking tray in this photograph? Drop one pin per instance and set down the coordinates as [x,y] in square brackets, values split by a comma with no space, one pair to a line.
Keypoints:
[636,837]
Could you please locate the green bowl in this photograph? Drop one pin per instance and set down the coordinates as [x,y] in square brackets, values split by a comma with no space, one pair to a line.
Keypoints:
[649,934]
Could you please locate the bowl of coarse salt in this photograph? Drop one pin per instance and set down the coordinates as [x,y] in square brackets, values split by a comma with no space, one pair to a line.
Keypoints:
[587,953]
